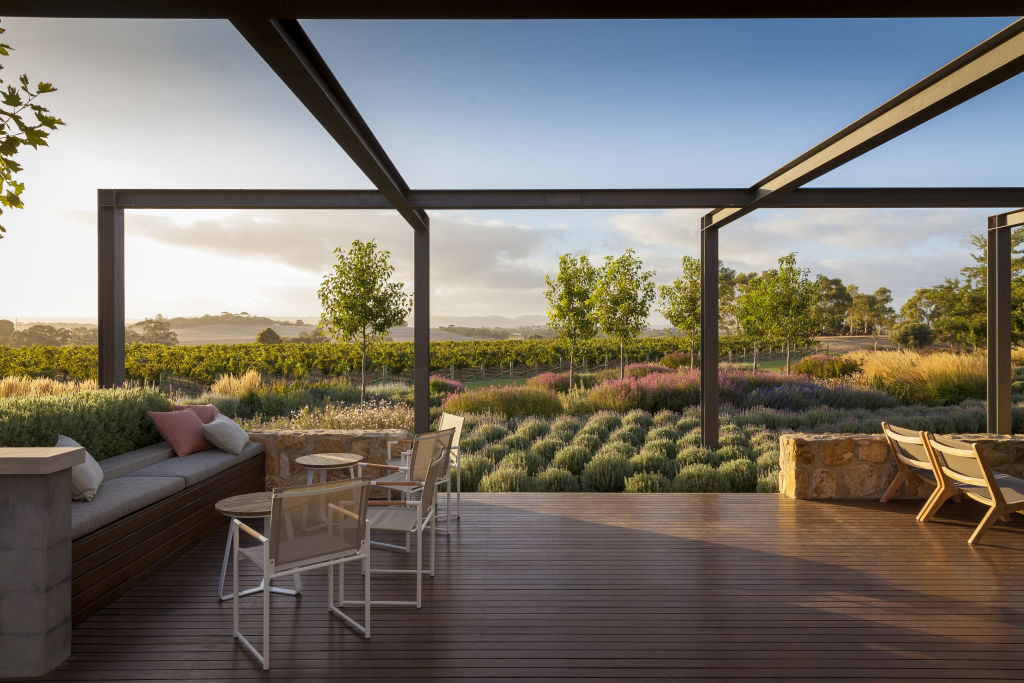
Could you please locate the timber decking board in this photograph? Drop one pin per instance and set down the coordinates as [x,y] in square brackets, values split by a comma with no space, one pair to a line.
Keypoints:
[614,587]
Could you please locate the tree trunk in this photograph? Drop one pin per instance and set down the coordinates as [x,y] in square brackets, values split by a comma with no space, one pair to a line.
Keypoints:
[691,353]
[571,373]
[755,358]
[362,384]
[622,359]
[788,348]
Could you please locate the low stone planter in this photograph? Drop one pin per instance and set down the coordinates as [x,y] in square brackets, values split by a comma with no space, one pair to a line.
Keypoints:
[284,446]
[860,466]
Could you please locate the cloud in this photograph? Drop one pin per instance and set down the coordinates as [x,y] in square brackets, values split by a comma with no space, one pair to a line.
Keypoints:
[476,265]
[902,249]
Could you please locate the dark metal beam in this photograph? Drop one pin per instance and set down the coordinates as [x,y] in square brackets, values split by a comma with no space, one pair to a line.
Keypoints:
[291,54]
[421,330]
[998,340]
[709,338]
[995,60]
[471,200]
[508,9]
[111,290]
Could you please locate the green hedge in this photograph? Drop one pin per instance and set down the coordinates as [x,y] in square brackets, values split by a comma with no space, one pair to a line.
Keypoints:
[107,422]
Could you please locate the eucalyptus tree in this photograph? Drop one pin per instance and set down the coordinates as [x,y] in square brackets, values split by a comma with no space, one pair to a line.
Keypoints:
[360,302]
[572,310]
[623,298]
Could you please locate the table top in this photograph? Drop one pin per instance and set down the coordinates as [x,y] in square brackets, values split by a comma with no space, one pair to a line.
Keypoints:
[246,505]
[328,461]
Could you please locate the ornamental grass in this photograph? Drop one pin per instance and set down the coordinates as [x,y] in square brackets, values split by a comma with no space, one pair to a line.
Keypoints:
[42,386]
[934,379]
[369,415]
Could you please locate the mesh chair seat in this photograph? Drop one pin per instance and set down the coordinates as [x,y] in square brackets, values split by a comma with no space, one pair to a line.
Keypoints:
[255,554]
[1011,487]
[391,518]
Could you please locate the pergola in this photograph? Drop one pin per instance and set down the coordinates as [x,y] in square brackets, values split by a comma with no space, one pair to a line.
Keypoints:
[272,28]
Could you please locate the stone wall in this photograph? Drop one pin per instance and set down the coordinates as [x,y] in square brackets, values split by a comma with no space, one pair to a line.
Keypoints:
[860,466]
[284,446]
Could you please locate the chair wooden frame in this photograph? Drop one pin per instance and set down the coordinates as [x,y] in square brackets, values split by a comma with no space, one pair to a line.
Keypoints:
[985,489]
[270,570]
[907,466]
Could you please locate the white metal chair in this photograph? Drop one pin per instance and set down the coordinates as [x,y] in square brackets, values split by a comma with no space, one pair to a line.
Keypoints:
[408,479]
[447,421]
[450,421]
[413,517]
[311,527]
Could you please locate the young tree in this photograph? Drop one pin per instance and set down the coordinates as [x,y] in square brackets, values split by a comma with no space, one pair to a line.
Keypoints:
[623,295]
[571,308]
[16,103]
[268,336]
[359,300]
[783,297]
[749,311]
[680,302]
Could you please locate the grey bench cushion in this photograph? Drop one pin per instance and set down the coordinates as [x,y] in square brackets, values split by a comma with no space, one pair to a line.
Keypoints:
[129,462]
[196,467]
[119,497]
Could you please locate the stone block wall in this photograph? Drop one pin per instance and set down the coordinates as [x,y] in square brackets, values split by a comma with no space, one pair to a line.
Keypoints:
[284,446]
[860,466]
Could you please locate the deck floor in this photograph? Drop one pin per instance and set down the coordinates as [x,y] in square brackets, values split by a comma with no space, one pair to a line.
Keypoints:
[615,587]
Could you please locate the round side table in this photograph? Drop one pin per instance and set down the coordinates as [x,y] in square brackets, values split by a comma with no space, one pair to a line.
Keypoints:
[324,462]
[248,506]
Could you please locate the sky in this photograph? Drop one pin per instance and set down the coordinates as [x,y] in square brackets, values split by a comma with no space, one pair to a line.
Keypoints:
[462,104]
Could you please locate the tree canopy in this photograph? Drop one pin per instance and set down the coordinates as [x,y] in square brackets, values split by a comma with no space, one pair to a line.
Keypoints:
[17,104]
[571,307]
[359,300]
[623,294]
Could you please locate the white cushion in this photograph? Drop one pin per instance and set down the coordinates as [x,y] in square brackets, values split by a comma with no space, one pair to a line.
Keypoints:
[225,434]
[86,477]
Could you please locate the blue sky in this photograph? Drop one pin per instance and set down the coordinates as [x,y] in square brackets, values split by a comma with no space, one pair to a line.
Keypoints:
[477,105]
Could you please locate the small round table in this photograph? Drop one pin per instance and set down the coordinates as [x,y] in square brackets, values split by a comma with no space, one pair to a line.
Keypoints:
[247,506]
[324,462]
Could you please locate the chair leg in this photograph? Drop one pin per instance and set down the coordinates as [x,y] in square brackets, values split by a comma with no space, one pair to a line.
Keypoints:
[330,585]
[923,514]
[266,622]
[448,506]
[341,585]
[986,523]
[234,578]
[901,476]
[433,543]
[224,565]
[366,594]
[936,502]
[419,566]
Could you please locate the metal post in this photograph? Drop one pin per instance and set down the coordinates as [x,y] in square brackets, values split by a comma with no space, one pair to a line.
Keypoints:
[111,289]
[421,330]
[998,412]
[708,337]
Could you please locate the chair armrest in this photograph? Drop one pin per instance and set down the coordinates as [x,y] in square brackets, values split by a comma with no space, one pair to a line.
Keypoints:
[249,530]
[343,511]
[380,465]
[397,483]
[387,503]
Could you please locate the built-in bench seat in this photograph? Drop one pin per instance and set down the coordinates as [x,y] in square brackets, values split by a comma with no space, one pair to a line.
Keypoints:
[151,506]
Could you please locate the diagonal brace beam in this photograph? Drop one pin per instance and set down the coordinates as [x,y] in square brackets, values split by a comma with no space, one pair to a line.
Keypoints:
[286,48]
[994,61]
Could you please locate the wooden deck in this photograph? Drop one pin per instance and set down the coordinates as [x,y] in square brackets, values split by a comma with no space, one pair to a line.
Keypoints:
[616,587]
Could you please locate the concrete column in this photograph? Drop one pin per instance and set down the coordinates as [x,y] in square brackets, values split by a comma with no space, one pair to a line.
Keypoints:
[35,558]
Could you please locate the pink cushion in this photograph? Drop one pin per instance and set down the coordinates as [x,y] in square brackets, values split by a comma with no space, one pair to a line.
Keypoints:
[206,412]
[182,429]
